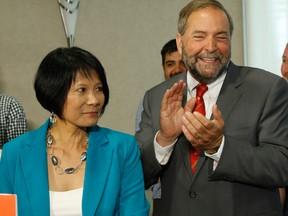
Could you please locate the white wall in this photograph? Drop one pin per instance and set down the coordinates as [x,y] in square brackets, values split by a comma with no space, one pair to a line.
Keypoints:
[265,33]
[126,36]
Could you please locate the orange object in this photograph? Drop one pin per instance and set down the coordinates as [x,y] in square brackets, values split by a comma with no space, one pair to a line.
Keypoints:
[8,204]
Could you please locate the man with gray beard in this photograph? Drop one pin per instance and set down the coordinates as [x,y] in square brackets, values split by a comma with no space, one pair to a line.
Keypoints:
[223,152]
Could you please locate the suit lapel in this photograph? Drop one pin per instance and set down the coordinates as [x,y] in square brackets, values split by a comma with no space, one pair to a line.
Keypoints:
[34,166]
[230,93]
[184,146]
[98,164]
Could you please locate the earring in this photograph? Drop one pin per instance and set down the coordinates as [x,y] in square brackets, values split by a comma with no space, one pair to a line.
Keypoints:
[53,118]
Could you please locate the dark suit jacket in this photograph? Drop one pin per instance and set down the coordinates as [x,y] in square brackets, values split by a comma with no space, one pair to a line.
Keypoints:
[113,183]
[254,161]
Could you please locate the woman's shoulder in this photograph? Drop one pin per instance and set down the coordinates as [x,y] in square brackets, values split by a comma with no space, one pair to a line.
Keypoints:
[111,132]
[113,138]
[29,138]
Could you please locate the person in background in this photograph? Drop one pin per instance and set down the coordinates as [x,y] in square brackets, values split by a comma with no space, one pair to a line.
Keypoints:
[284,72]
[225,151]
[172,65]
[70,165]
[284,65]
[172,62]
[12,119]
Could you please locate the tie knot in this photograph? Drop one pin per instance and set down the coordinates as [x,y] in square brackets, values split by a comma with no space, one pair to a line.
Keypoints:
[201,89]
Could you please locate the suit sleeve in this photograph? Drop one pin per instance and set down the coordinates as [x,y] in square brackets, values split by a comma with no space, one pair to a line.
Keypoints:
[145,136]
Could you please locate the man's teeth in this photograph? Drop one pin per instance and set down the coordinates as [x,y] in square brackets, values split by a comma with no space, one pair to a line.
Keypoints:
[209,59]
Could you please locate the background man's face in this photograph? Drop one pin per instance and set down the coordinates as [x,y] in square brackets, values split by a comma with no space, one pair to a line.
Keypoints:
[173,64]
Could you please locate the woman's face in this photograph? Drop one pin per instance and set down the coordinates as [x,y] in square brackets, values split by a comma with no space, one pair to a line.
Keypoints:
[84,101]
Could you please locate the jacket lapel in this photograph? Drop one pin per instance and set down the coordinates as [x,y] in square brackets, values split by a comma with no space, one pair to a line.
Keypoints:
[34,166]
[230,93]
[98,164]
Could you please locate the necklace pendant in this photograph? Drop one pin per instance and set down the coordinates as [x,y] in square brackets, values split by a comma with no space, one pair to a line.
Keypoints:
[69,170]
[49,140]
[83,156]
[54,160]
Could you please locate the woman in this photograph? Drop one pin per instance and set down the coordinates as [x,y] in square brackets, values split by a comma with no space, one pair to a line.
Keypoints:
[70,166]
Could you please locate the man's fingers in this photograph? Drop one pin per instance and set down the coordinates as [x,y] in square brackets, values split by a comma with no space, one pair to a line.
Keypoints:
[190,105]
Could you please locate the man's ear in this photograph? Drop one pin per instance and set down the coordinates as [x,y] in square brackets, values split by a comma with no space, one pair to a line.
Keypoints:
[179,42]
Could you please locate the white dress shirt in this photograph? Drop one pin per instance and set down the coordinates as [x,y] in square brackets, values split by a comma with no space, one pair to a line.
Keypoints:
[210,97]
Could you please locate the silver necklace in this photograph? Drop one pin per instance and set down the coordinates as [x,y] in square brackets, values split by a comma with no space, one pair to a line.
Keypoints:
[55,162]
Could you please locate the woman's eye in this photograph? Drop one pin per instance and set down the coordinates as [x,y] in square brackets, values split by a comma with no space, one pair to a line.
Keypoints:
[81,90]
[99,89]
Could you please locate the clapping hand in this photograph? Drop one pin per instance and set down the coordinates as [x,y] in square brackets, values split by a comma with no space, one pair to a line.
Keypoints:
[171,113]
[201,132]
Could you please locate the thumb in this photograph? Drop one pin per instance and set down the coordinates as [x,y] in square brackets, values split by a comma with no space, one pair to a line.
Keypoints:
[190,105]
[217,114]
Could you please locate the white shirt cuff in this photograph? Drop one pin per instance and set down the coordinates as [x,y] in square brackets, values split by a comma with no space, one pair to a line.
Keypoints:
[163,153]
[217,155]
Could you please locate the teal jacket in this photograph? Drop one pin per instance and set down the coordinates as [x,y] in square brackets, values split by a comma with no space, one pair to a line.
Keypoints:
[113,183]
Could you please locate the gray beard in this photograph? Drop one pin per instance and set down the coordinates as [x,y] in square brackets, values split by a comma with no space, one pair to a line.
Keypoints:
[206,80]
[197,73]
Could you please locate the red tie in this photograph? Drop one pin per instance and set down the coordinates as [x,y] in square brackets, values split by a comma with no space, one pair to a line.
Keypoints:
[199,107]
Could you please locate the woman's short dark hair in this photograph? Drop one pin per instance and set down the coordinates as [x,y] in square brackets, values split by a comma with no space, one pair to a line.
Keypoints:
[58,70]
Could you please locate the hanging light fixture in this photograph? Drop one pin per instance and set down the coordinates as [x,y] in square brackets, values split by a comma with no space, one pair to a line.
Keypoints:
[69,12]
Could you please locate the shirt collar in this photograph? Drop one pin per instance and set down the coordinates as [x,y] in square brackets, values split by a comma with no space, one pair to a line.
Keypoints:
[192,83]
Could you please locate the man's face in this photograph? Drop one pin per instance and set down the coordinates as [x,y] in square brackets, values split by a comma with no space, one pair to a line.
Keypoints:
[173,64]
[284,66]
[206,44]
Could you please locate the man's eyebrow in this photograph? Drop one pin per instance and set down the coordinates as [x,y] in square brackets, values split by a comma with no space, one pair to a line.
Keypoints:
[204,32]
[199,32]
